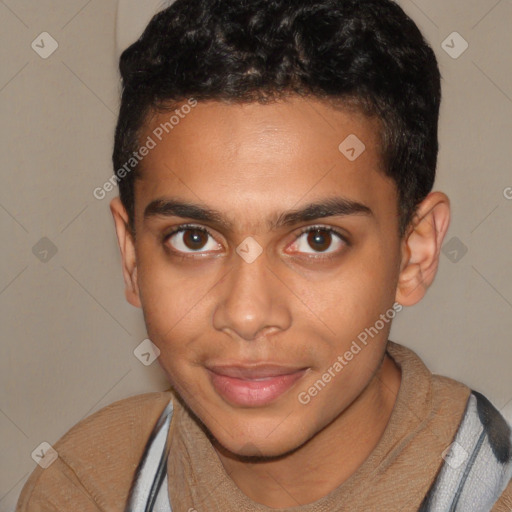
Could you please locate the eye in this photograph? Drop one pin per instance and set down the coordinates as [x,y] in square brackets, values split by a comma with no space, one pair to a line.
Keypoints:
[191,239]
[319,240]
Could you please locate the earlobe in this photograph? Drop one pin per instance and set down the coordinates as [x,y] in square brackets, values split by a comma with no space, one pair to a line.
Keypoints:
[127,248]
[421,248]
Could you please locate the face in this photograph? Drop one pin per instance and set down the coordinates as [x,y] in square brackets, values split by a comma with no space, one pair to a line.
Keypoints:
[261,254]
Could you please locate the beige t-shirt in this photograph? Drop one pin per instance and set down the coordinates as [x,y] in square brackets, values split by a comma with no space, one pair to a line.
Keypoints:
[98,456]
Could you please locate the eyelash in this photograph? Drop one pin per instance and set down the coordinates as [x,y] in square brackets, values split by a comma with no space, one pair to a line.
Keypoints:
[185,227]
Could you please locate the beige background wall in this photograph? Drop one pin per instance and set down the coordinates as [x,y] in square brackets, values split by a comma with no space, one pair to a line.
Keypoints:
[67,333]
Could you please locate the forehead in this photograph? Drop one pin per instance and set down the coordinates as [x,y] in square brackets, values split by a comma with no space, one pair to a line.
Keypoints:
[262,157]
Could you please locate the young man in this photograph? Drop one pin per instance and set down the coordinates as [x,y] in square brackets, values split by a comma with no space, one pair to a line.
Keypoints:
[275,161]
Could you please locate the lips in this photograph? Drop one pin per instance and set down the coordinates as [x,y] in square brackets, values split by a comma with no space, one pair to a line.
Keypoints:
[255,385]
[261,371]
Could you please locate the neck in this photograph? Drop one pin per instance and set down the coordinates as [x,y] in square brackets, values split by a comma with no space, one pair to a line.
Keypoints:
[314,470]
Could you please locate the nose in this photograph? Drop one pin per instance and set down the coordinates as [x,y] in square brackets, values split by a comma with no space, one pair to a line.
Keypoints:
[252,301]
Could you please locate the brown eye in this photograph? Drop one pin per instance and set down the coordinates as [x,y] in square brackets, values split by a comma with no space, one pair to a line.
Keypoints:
[191,239]
[194,239]
[319,239]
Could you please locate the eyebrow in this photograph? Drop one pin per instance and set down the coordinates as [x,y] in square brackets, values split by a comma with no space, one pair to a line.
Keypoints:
[330,207]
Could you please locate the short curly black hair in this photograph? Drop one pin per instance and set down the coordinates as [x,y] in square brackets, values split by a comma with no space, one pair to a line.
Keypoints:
[366,53]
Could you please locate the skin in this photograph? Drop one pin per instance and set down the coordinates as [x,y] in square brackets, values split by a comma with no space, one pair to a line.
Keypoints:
[299,303]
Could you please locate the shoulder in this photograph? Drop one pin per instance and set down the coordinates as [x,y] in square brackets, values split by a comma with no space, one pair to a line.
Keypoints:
[478,463]
[504,504]
[441,393]
[97,458]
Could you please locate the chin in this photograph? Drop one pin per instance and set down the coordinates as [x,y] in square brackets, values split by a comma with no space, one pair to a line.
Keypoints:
[258,451]
[270,431]
[254,441]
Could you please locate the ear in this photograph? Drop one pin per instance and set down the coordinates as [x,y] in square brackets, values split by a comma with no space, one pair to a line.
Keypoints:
[127,247]
[421,248]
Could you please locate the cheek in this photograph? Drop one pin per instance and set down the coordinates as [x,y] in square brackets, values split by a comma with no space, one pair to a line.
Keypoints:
[176,303]
[333,391]
[355,295]
[170,292]
[374,276]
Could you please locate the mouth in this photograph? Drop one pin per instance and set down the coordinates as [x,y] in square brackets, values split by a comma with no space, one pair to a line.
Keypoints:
[253,386]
